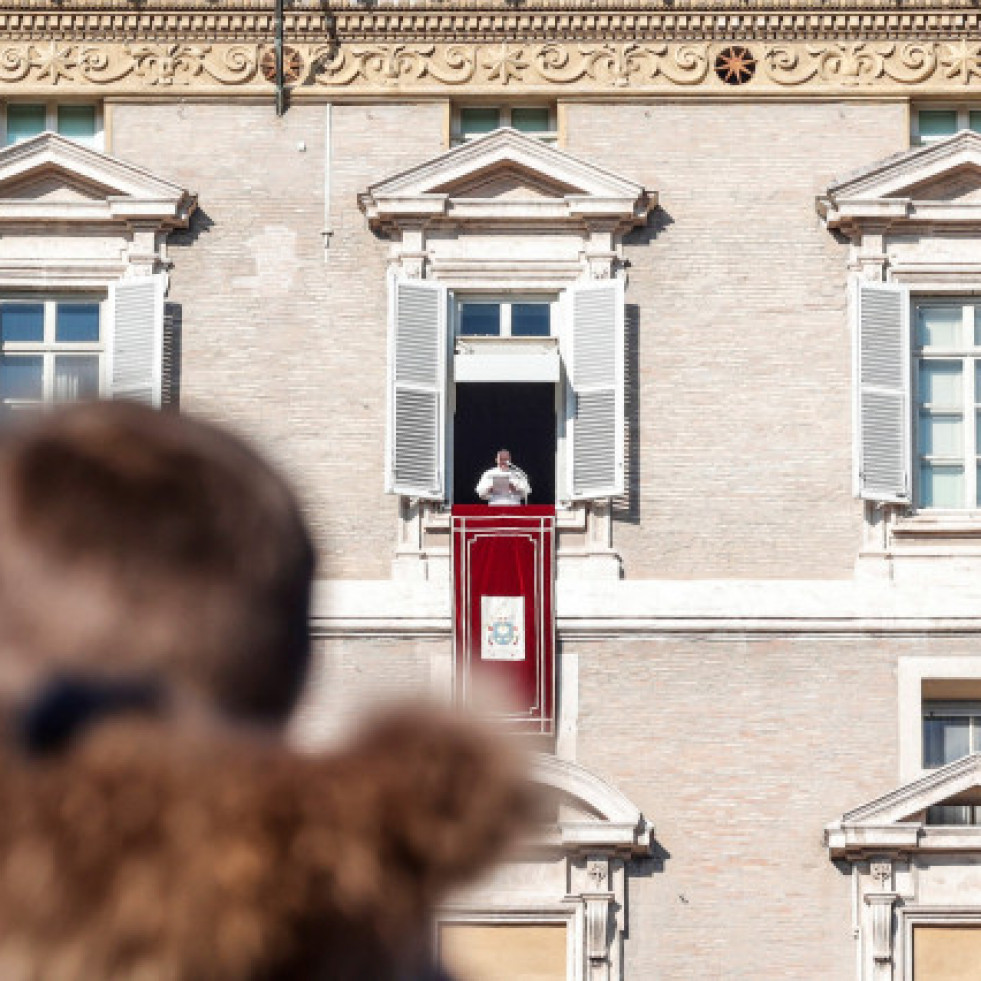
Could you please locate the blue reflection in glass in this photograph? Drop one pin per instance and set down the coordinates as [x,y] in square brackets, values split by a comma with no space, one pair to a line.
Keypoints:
[77,323]
[21,322]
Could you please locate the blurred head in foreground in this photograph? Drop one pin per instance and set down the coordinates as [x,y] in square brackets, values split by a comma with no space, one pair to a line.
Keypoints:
[154,582]
[143,542]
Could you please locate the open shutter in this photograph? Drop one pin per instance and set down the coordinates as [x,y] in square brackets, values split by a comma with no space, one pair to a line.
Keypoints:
[593,349]
[416,389]
[882,369]
[134,340]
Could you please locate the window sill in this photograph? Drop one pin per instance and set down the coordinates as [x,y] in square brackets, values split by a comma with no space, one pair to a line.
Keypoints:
[932,526]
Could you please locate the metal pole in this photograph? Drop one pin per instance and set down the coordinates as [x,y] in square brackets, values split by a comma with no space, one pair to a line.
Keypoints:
[280,80]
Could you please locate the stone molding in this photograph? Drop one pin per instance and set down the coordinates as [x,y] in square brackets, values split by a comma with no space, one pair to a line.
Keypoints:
[463,21]
[643,67]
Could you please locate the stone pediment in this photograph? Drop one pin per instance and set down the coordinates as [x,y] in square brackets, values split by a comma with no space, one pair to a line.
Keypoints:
[938,183]
[895,822]
[506,176]
[593,815]
[51,178]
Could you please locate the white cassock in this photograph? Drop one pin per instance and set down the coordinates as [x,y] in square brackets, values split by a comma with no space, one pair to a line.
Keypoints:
[494,490]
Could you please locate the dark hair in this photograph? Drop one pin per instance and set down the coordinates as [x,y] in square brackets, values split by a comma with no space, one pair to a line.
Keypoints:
[153,543]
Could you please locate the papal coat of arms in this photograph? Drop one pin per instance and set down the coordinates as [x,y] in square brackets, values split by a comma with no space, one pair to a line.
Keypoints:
[502,623]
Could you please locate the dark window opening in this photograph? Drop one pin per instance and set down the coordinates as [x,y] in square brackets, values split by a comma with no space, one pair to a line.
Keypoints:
[519,417]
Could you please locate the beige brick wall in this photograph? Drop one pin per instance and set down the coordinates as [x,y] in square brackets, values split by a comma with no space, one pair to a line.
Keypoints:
[740,749]
[744,361]
[281,344]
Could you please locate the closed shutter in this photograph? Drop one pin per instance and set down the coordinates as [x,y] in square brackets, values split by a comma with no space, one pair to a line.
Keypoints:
[417,389]
[593,351]
[134,340]
[882,416]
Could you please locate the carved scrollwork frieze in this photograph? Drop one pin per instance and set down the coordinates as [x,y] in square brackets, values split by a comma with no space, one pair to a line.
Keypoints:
[933,67]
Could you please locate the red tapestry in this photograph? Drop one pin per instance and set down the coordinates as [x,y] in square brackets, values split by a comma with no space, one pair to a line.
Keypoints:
[503,611]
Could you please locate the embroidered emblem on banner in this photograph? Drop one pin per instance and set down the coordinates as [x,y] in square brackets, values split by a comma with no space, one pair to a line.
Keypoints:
[502,620]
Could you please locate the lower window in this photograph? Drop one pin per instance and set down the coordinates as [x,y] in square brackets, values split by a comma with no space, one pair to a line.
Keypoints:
[51,350]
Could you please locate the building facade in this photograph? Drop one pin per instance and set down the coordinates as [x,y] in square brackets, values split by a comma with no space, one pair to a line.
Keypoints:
[713,272]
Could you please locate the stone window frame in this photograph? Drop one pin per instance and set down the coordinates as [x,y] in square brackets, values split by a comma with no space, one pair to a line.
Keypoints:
[913,671]
[913,916]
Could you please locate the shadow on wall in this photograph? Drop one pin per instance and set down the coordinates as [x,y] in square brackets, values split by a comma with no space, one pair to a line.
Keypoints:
[626,507]
[171,367]
[200,223]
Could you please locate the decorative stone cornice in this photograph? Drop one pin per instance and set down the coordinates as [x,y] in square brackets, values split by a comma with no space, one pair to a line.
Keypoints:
[54,68]
[468,22]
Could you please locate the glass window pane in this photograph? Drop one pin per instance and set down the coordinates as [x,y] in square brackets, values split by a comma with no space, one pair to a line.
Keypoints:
[940,383]
[958,814]
[945,739]
[941,487]
[479,119]
[975,120]
[21,322]
[936,123]
[77,323]
[77,122]
[480,319]
[528,119]
[76,377]
[21,377]
[25,121]
[941,435]
[939,326]
[530,320]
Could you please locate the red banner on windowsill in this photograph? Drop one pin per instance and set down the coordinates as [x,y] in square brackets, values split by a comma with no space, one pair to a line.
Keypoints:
[503,567]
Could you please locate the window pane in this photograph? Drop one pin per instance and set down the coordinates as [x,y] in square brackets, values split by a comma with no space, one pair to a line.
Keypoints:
[945,739]
[975,120]
[530,320]
[939,326]
[25,121]
[959,814]
[935,123]
[940,383]
[76,377]
[480,319]
[941,487]
[528,119]
[941,436]
[77,122]
[21,322]
[77,323]
[479,119]
[21,377]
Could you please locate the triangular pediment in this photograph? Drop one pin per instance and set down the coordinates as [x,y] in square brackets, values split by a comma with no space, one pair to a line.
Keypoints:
[896,820]
[505,176]
[53,178]
[939,182]
[507,182]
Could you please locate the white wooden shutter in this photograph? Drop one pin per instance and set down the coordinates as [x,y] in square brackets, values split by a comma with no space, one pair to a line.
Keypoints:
[416,389]
[134,339]
[593,350]
[882,384]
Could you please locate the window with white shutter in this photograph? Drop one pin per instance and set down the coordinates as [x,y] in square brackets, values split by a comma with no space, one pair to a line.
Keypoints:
[417,389]
[882,367]
[134,343]
[592,344]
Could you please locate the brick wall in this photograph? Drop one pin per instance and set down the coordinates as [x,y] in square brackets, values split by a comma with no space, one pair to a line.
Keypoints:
[744,364]
[740,749]
[275,341]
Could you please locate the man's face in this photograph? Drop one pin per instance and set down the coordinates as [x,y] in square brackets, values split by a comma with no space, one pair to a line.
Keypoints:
[504,459]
